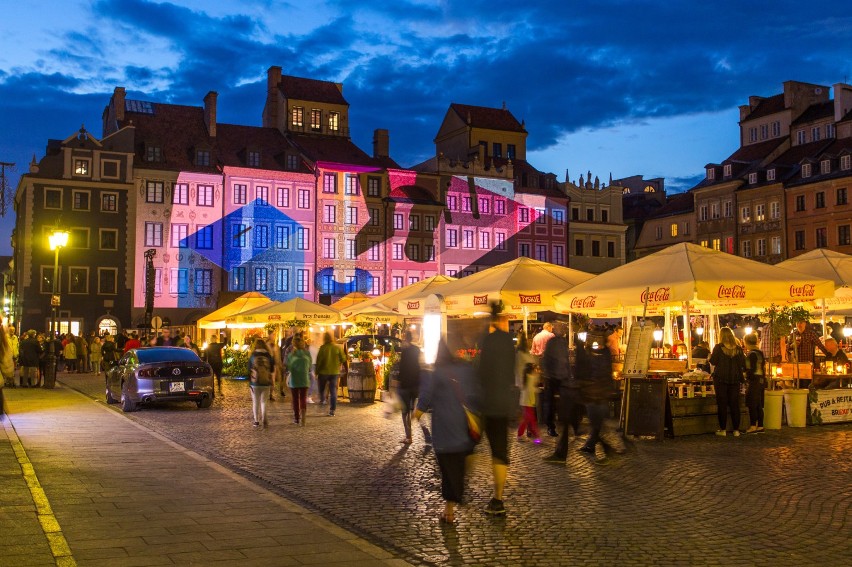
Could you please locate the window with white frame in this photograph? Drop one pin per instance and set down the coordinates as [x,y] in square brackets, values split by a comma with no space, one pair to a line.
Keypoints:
[261,279]
[282,197]
[452,237]
[659,232]
[178,234]
[484,240]
[303,281]
[500,240]
[414,252]
[523,214]
[352,186]
[239,232]
[329,248]
[398,221]
[746,249]
[467,238]
[414,222]
[81,166]
[714,210]
[204,237]
[333,121]
[770,174]
[297,116]
[559,255]
[429,252]
[203,281]
[499,206]
[846,162]
[764,131]
[761,247]
[240,194]
[178,281]
[729,209]
[180,195]
[745,214]
[282,237]
[261,236]
[304,199]
[329,183]
[752,178]
[800,137]
[374,216]
[80,200]
[726,170]
[374,252]
[815,134]
[760,212]
[413,280]
[376,286]
[158,281]
[452,202]
[467,204]
[397,251]
[776,129]
[109,202]
[303,238]
[153,234]
[775,210]
[541,252]
[825,166]
[711,173]
[703,213]
[398,282]
[329,214]
[829,131]
[429,221]
[351,249]
[374,187]
[752,134]
[484,206]
[204,195]
[261,195]
[316,119]
[282,279]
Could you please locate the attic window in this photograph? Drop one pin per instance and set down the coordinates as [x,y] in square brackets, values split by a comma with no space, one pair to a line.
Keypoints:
[825,166]
[806,170]
[752,178]
[711,173]
[726,170]
[153,153]
[253,159]
[292,162]
[770,174]
[845,162]
[202,157]
[81,167]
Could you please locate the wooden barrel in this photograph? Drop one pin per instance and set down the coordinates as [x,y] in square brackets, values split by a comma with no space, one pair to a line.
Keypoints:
[361,382]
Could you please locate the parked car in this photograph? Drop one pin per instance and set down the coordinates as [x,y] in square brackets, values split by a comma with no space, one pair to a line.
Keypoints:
[369,342]
[153,374]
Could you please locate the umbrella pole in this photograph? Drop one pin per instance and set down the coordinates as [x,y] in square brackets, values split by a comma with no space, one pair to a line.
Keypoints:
[570,331]
[687,336]
[526,316]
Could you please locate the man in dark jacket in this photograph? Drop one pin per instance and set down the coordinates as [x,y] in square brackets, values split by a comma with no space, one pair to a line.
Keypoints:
[213,352]
[496,375]
[408,386]
[554,369]
[29,352]
[555,363]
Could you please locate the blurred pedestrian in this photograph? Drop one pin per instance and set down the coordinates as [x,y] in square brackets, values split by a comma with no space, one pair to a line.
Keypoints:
[7,361]
[70,353]
[728,363]
[29,353]
[407,387]
[496,376]
[594,375]
[298,380]
[95,355]
[527,378]
[330,359]
[214,359]
[556,366]
[261,368]
[278,378]
[755,364]
[451,386]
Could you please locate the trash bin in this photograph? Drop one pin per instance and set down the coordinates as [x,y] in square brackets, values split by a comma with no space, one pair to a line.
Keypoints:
[772,404]
[796,405]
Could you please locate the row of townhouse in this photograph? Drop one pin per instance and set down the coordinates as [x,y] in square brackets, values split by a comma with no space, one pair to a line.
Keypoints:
[291,208]
[783,192]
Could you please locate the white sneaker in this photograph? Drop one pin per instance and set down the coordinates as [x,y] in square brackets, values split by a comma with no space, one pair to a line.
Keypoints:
[736,432]
[721,432]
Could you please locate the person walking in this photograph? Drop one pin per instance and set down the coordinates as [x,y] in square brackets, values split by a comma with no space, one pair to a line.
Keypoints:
[110,352]
[728,362]
[70,353]
[755,365]
[214,359]
[298,379]
[329,360]
[527,378]
[496,377]
[451,387]
[594,375]
[278,378]
[29,351]
[408,385]
[7,365]
[96,355]
[556,365]
[261,370]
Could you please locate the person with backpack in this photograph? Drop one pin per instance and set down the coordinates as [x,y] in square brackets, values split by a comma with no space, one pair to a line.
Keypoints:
[261,371]
[755,364]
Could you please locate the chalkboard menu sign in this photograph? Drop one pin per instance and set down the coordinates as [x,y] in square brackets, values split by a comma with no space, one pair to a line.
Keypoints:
[646,407]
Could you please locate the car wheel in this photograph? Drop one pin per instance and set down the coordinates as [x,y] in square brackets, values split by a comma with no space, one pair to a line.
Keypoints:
[109,398]
[127,405]
[204,402]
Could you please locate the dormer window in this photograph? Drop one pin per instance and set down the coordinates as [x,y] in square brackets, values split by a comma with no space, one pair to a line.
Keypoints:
[253,159]
[825,166]
[752,178]
[202,157]
[153,153]
[845,163]
[711,174]
[806,170]
[292,162]
[81,167]
[333,121]
[726,170]
[770,174]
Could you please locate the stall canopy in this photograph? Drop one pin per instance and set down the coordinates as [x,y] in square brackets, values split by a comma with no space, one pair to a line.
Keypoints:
[389,301]
[245,302]
[524,285]
[350,300]
[688,273]
[830,265]
[282,311]
[375,317]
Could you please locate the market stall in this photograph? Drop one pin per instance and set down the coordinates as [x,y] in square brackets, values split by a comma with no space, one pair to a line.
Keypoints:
[217,321]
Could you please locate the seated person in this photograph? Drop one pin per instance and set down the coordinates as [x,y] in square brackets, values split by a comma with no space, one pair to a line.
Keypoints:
[834,357]
[701,354]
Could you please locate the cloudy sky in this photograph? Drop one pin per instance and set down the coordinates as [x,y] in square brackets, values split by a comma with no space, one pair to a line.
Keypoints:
[613,86]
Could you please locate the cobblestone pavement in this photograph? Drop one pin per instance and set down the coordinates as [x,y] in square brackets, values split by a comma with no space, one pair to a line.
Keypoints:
[775,499]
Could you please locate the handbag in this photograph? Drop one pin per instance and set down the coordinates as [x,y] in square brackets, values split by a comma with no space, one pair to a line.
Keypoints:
[474,420]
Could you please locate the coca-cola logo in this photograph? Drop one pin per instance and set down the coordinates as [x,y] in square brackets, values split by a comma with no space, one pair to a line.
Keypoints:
[527,299]
[583,302]
[480,300]
[736,291]
[804,290]
[413,305]
[659,294]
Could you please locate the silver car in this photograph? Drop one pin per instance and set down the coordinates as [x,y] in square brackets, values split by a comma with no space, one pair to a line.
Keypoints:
[154,374]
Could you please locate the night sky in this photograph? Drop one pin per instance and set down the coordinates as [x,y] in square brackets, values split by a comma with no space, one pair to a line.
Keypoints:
[621,87]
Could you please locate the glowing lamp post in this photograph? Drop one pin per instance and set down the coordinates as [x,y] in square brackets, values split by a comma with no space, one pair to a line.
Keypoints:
[57,239]
[658,338]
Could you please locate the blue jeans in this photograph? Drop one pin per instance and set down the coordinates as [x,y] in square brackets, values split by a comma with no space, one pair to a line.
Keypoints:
[331,380]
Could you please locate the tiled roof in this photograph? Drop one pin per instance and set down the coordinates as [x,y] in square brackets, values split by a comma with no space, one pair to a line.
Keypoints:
[639,208]
[837,147]
[235,141]
[178,130]
[766,107]
[755,152]
[796,154]
[336,149]
[311,89]
[815,112]
[490,118]
[676,204]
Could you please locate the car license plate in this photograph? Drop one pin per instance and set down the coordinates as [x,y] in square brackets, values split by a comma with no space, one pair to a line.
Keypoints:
[176,387]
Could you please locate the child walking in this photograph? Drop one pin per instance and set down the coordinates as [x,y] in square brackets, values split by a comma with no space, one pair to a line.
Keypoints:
[528,394]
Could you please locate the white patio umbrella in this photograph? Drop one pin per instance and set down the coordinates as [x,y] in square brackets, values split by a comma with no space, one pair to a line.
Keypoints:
[246,302]
[282,311]
[830,265]
[389,301]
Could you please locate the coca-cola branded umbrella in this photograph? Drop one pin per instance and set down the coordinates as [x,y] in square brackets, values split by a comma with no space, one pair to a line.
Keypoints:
[830,265]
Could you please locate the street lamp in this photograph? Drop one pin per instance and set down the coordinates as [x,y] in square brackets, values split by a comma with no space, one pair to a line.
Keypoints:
[57,239]
[658,338]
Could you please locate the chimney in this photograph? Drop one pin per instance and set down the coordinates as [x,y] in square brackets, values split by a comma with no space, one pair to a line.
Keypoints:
[381,143]
[118,95]
[842,100]
[210,113]
[113,113]
[270,109]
